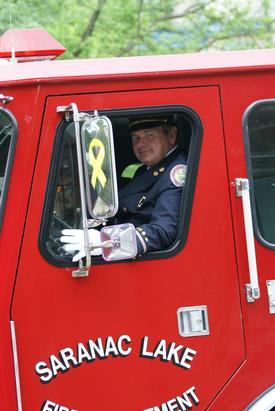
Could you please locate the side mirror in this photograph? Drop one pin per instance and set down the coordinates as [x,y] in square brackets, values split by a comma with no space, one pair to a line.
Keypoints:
[118,242]
[99,167]
[98,185]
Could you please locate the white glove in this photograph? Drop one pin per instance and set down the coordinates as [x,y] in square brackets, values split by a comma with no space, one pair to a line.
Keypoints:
[74,240]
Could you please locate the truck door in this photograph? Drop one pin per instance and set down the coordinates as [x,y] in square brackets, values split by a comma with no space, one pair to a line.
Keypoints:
[163,332]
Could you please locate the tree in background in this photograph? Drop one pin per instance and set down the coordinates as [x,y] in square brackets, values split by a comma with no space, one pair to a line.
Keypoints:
[106,28]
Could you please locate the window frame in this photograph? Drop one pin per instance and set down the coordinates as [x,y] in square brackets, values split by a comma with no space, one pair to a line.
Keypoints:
[8,168]
[186,201]
[249,169]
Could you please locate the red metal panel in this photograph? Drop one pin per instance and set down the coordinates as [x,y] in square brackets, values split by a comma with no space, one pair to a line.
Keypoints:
[13,226]
[257,373]
[52,311]
[202,64]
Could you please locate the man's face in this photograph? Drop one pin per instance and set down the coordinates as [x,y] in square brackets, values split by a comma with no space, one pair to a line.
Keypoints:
[152,144]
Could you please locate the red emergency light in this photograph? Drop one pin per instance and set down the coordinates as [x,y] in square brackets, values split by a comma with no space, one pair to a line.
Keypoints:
[29,45]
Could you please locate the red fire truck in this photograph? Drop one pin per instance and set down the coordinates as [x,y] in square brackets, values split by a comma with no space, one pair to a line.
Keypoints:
[190,327]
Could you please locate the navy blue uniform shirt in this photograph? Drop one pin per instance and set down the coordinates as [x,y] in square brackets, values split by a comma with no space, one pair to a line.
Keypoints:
[151,202]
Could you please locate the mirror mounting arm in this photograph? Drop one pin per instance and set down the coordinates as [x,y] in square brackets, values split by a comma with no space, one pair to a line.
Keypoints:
[95,223]
[106,244]
[83,270]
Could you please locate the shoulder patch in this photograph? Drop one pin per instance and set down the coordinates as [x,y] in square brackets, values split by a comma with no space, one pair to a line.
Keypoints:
[178,175]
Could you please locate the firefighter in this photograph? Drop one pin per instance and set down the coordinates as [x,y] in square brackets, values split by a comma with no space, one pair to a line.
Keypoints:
[151,200]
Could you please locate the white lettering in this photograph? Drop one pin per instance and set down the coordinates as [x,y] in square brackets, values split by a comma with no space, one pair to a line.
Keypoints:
[173,353]
[67,355]
[56,365]
[110,347]
[41,369]
[144,352]
[83,354]
[184,401]
[51,406]
[172,404]
[160,350]
[48,406]
[181,403]
[193,395]
[179,354]
[187,355]
[127,340]
[96,348]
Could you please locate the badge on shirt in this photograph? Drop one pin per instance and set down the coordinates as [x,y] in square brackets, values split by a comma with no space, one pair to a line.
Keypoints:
[178,175]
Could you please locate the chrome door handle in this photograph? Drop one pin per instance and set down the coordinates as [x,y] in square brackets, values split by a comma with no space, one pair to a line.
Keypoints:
[252,289]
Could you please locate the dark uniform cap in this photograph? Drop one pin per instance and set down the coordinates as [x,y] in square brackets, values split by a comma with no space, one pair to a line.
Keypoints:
[149,122]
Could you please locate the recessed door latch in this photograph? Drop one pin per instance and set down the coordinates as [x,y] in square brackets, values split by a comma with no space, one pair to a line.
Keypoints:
[193,321]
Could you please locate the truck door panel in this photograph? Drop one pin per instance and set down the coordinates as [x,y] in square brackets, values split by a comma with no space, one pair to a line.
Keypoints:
[129,309]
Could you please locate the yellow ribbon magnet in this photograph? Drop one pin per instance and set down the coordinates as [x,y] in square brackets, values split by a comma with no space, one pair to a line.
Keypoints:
[96,162]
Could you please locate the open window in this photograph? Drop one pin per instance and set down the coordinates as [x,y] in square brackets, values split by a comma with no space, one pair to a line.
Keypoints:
[8,136]
[63,204]
[259,132]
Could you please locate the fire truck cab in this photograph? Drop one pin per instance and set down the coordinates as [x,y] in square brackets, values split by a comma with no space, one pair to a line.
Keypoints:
[189,327]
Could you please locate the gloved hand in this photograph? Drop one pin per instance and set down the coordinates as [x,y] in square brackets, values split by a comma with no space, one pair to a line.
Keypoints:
[74,240]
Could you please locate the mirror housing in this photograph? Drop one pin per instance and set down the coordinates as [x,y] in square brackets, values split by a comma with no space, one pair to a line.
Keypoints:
[120,242]
[99,167]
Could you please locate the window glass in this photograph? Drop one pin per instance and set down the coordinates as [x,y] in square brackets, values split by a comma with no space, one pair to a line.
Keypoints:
[66,211]
[8,133]
[63,206]
[259,127]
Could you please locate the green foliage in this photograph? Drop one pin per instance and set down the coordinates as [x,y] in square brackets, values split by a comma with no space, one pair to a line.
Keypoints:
[105,28]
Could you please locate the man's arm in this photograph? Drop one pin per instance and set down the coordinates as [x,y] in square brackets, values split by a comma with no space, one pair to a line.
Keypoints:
[161,232]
